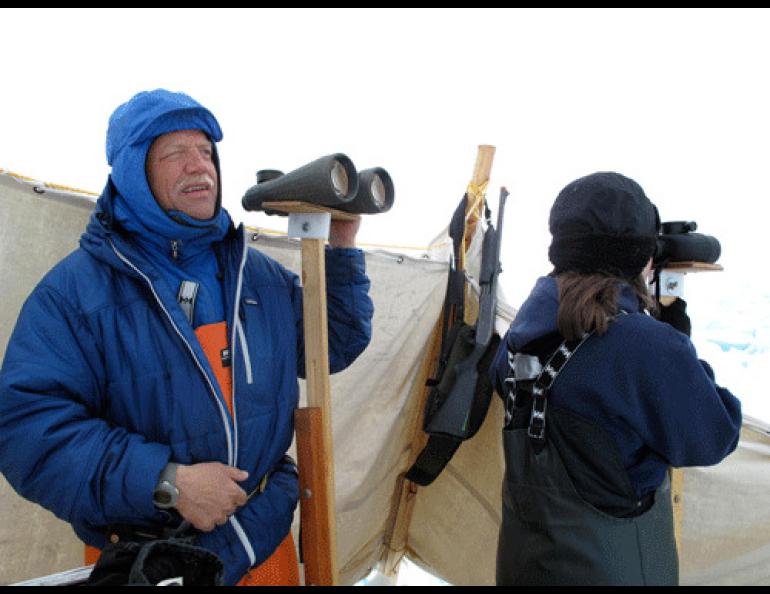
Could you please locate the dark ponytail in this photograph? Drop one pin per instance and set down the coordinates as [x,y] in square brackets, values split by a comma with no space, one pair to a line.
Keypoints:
[588,302]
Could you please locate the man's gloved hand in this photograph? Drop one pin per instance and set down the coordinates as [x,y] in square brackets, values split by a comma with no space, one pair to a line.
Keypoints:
[676,316]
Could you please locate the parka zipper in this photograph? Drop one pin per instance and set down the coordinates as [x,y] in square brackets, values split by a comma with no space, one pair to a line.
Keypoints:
[245,348]
[222,411]
[232,436]
[242,536]
[236,329]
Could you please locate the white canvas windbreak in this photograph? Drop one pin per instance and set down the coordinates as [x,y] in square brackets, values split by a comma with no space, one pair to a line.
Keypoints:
[725,534]
[38,227]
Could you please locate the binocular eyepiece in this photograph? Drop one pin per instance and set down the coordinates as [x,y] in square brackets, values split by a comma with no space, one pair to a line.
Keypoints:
[677,243]
[329,181]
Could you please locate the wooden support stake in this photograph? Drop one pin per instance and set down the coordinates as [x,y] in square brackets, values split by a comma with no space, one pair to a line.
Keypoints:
[290,206]
[481,170]
[473,214]
[315,448]
[319,535]
[677,474]
[406,491]
[316,517]
[677,491]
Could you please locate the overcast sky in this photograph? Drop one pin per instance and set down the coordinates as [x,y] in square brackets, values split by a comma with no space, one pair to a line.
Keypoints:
[676,99]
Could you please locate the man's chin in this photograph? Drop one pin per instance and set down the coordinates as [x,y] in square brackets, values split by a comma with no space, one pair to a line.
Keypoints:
[201,214]
[201,210]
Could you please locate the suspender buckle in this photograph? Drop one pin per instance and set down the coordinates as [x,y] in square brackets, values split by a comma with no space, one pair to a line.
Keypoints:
[536,429]
[188,292]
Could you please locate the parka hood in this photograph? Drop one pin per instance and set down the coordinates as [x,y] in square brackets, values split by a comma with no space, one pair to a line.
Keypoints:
[132,129]
[168,245]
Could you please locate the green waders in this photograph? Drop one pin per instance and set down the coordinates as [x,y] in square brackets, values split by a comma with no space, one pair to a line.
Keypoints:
[550,535]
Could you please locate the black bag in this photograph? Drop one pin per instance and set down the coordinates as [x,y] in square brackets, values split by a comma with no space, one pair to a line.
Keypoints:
[142,560]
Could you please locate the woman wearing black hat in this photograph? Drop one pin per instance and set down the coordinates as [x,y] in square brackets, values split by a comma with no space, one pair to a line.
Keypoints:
[601,399]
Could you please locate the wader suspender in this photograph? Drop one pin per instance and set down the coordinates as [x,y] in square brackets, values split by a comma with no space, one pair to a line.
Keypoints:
[188,291]
[541,386]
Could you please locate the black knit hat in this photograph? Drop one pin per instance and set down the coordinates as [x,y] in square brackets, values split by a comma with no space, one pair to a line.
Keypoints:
[603,223]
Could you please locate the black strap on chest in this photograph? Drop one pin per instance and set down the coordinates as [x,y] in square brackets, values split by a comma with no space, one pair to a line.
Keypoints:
[517,379]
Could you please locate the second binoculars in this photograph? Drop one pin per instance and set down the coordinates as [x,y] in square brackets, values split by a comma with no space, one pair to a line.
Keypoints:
[329,181]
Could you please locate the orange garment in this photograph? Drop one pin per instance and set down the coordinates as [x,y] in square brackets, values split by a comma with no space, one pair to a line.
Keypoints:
[279,569]
[91,555]
[213,339]
[282,567]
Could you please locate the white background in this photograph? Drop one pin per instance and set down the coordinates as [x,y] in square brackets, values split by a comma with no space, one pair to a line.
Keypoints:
[676,99]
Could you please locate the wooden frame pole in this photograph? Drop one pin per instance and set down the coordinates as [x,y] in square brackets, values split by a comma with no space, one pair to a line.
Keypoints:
[313,426]
[677,474]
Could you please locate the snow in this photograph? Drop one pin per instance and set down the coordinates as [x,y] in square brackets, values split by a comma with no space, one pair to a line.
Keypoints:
[730,315]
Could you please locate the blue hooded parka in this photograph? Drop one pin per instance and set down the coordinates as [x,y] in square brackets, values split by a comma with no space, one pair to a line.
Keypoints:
[104,381]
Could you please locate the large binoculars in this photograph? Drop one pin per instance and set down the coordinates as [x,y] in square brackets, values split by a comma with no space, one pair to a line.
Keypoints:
[329,181]
[677,243]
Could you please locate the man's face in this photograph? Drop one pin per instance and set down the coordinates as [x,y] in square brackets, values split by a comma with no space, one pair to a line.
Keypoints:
[181,173]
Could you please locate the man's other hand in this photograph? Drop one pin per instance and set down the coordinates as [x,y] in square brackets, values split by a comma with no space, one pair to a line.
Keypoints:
[209,493]
[342,234]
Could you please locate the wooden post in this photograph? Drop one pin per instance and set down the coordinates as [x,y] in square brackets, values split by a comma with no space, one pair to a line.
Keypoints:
[315,448]
[406,491]
[473,213]
[475,207]
[677,491]
[677,474]
[314,428]
[316,488]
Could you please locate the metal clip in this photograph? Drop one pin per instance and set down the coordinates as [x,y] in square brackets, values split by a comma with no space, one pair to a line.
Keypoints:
[305,225]
[536,429]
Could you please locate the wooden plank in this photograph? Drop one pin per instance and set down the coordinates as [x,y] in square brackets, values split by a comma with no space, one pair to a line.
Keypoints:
[315,514]
[291,206]
[677,493]
[677,474]
[693,267]
[406,491]
[481,171]
[322,569]
[483,166]
[316,330]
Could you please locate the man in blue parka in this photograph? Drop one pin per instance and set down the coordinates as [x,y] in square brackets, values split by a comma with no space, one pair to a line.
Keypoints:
[152,374]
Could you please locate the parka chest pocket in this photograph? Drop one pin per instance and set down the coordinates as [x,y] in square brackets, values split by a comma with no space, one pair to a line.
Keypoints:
[265,335]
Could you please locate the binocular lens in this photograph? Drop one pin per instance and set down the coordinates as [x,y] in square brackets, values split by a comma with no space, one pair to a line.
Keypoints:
[339,179]
[378,191]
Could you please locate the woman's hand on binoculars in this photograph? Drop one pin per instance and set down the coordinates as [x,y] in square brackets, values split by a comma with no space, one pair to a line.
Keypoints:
[342,234]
